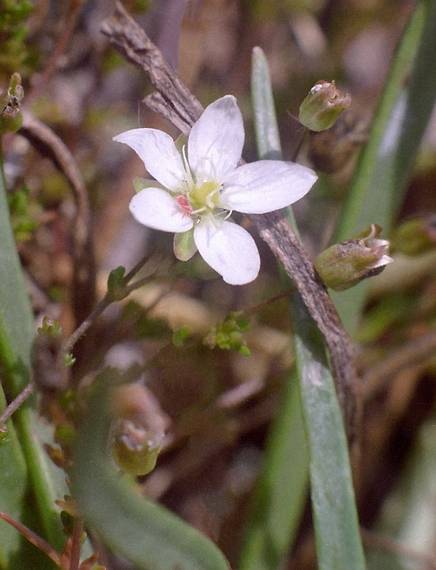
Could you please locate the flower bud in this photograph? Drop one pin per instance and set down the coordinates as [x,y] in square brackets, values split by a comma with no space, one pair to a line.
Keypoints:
[345,264]
[10,112]
[138,431]
[415,236]
[322,106]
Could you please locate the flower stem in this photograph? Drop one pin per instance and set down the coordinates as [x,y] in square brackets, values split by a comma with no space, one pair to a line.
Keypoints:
[15,404]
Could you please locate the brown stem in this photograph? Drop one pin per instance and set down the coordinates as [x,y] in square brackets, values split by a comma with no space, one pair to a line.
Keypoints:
[101,306]
[48,143]
[255,308]
[34,539]
[15,404]
[76,544]
[175,102]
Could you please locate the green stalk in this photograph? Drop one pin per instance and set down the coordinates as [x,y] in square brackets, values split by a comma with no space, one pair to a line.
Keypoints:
[16,332]
[336,525]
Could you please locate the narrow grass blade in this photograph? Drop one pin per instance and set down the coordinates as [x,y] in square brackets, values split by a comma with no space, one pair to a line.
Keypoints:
[408,516]
[13,485]
[16,332]
[337,533]
[146,534]
[386,161]
[282,487]
[336,524]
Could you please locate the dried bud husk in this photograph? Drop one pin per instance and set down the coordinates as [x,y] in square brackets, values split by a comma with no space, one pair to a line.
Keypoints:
[322,106]
[138,431]
[135,450]
[415,236]
[10,110]
[345,264]
[333,150]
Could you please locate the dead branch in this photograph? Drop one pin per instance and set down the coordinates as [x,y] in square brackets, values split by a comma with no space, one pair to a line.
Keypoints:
[176,103]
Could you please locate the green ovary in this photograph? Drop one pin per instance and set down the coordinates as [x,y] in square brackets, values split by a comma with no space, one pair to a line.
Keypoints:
[204,196]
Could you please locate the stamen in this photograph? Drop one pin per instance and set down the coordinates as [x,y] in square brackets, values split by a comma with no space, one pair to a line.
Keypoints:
[187,167]
[199,210]
[209,200]
[184,204]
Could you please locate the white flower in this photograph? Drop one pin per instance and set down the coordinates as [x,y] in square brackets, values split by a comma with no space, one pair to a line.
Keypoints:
[197,189]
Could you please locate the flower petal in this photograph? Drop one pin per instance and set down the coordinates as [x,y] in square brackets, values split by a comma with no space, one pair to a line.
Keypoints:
[155,208]
[229,249]
[159,154]
[216,140]
[265,186]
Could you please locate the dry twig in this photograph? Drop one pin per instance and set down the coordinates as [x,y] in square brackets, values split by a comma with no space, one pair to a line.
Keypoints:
[176,103]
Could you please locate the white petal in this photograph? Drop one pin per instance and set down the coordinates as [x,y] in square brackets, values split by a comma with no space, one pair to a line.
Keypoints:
[229,249]
[216,140]
[155,208]
[159,154]
[265,186]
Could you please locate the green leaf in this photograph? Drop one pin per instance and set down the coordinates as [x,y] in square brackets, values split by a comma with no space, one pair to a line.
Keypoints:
[16,334]
[386,162]
[408,515]
[337,533]
[281,490]
[145,533]
[336,525]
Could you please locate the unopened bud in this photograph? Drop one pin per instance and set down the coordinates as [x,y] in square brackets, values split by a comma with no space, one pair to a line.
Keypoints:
[323,105]
[415,236]
[345,264]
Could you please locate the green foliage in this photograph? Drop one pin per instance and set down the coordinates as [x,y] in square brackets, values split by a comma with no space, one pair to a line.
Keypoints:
[180,336]
[116,284]
[23,221]
[50,328]
[13,16]
[229,334]
[69,360]
[281,490]
[146,534]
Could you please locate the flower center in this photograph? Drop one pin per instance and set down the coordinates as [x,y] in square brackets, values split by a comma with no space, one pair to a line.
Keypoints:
[205,196]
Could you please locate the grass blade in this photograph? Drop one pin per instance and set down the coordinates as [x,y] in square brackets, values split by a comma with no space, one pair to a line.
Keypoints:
[337,533]
[386,161]
[281,490]
[146,534]
[16,334]
[336,524]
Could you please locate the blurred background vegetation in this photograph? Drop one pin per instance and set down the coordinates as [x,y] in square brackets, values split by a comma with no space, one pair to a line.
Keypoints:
[216,401]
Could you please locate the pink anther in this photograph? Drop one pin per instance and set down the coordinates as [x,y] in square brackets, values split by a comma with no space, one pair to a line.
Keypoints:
[184,204]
